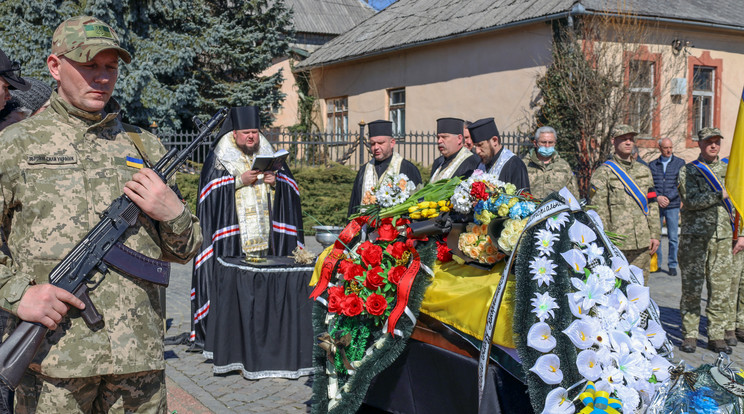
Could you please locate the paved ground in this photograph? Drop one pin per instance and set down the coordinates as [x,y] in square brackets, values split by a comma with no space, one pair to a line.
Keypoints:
[192,388]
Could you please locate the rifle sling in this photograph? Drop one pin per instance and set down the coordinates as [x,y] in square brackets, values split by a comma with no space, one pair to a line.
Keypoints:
[135,264]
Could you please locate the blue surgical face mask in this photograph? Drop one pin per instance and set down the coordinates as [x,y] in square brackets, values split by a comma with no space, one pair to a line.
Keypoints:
[545,151]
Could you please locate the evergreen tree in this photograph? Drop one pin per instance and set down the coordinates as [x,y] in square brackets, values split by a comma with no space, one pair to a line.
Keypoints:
[189,57]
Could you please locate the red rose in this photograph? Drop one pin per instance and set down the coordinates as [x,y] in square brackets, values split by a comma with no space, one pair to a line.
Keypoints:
[374,280]
[444,254]
[402,222]
[397,249]
[376,304]
[371,253]
[395,274]
[352,305]
[344,265]
[478,190]
[387,232]
[353,271]
[336,297]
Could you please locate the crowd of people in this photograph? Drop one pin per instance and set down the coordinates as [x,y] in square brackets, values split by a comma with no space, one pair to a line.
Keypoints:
[67,154]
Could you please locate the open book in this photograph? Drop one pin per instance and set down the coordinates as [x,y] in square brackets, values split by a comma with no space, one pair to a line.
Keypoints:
[270,162]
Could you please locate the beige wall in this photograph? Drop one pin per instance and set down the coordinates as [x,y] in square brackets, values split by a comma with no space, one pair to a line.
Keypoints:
[471,78]
[287,114]
[494,75]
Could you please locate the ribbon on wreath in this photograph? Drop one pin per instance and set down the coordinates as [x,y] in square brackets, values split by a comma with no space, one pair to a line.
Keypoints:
[598,402]
[348,233]
[404,288]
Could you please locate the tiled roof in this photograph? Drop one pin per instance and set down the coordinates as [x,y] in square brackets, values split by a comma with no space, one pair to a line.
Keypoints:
[408,23]
[328,16]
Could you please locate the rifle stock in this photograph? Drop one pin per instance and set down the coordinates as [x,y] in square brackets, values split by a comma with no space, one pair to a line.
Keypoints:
[19,350]
[72,273]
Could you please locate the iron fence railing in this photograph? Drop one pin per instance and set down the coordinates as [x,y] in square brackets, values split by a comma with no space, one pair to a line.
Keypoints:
[323,148]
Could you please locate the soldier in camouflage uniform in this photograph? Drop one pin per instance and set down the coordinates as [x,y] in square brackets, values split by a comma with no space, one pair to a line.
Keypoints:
[706,229]
[619,211]
[59,171]
[548,172]
[738,287]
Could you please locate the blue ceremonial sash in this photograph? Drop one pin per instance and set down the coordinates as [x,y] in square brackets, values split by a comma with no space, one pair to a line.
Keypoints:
[630,186]
[715,183]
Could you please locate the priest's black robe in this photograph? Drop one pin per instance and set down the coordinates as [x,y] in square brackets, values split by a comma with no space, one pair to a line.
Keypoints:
[464,171]
[406,167]
[219,223]
[514,171]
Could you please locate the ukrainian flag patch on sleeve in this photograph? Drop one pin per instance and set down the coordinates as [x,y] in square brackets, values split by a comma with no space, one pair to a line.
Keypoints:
[134,162]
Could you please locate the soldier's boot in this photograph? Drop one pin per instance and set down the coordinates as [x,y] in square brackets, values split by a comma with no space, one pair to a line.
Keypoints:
[688,345]
[719,345]
[740,334]
[730,338]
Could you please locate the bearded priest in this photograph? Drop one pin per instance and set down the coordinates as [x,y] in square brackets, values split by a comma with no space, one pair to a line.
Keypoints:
[243,211]
[385,161]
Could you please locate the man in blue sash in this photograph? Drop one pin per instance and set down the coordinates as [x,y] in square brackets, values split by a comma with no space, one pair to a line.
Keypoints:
[622,189]
[705,247]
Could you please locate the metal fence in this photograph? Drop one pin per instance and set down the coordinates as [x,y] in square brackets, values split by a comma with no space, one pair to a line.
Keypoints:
[321,148]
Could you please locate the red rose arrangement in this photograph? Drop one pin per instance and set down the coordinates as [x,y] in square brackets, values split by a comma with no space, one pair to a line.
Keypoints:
[369,282]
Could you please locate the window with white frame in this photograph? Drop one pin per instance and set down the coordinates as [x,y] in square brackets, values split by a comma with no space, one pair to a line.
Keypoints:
[641,95]
[703,97]
[397,108]
[338,117]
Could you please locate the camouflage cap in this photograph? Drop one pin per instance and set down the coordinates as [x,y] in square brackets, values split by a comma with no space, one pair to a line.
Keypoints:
[82,38]
[706,133]
[623,129]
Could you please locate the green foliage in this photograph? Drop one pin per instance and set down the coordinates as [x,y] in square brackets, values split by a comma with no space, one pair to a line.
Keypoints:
[188,185]
[325,194]
[189,57]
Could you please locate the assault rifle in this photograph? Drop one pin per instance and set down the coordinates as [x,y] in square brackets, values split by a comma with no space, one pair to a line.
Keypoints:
[98,250]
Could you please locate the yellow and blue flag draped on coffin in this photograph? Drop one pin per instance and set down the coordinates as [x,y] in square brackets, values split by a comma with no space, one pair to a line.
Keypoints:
[459,295]
[735,170]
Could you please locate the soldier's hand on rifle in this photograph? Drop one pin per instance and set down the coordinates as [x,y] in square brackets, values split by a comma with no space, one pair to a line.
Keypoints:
[46,304]
[153,196]
[725,194]
[250,177]
[653,246]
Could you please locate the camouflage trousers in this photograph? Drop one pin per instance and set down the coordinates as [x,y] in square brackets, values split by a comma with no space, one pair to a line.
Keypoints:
[640,258]
[738,287]
[140,392]
[714,268]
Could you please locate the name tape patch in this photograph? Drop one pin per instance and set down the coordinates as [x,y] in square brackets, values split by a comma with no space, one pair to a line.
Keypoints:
[51,159]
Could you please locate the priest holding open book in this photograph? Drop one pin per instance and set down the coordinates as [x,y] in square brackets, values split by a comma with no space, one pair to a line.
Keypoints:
[249,204]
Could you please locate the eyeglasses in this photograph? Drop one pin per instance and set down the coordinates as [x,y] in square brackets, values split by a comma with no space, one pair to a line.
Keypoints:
[14,71]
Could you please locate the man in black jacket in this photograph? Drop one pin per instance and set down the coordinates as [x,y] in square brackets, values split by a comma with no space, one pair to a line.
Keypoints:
[665,170]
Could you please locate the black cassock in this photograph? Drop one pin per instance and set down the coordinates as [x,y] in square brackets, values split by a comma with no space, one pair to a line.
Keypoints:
[406,167]
[464,171]
[219,223]
[514,172]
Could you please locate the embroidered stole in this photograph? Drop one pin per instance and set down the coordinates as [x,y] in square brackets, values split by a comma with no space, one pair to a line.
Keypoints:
[630,185]
[442,173]
[715,184]
[499,164]
[251,201]
[372,180]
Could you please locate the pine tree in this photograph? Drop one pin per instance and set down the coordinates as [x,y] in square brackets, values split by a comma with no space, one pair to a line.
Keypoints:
[190,57]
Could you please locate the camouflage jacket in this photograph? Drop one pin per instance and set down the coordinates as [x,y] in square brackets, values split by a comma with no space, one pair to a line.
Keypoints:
[59,171]
[550,177]
[703,212]
[619,211]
